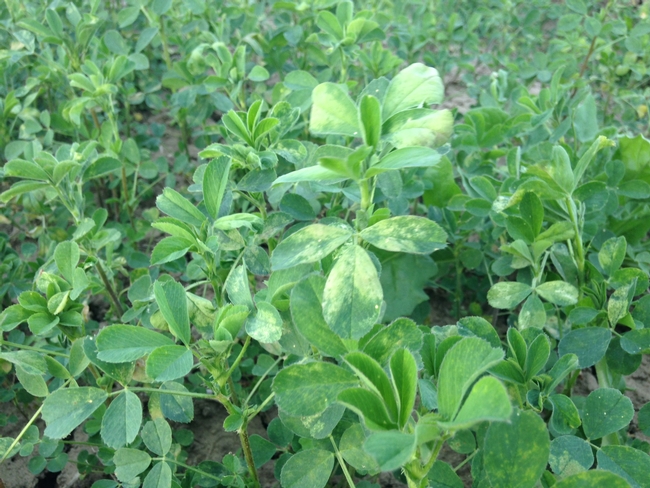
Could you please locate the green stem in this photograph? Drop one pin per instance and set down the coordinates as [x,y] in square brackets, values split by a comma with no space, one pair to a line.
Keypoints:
[183,465]
[344,468]
[222,380]
[248,453]
[22,433]
[109,289]
[206,396]
[259,382]
[32,348]
[163,38]
[578,244]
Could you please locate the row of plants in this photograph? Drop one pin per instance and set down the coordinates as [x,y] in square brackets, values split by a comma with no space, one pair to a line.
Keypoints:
[255,204]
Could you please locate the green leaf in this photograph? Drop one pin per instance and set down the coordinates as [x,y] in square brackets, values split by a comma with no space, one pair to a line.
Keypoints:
[369,406]
[508,294]
[585,119]
[160,476]
[374,378]
[307,315]
[411,234]
[124,343]
[401,333]
[570,455]
[258,73]
[352,296]
[310,244]
[636,341]
[66,257]
[328,22]
[593,479]
[537,356]
[442,475]
[215,180]
[25,169]
[310,468]
[161,7]
[129,463]
[406,157]
[560,170]
[169,249]
[506,445]
[172,300]
[21,187]
[404,373]
[532,211]
[178,408]
[462,365]
[311,173]
[414,86]
[266,324]
[333,112]
[65,409]
[558,293]
[175,205]
[169,363]
[370,120]
[403,279]
[102,166]
[628,463]
[487,401]
[157,436]
[606,411]
[565,418]
[121,422]
[589,344]
[390,449]
[351,449]
[33,383]
[116,43]
[612,254]
[308,389]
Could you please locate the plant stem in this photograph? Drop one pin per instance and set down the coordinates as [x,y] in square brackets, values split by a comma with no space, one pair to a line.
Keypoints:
[248,453]
[578,244]
[226,376]
[109,289]
[32,348]
[183,465]
[206,396]
[22,433]
[344,468]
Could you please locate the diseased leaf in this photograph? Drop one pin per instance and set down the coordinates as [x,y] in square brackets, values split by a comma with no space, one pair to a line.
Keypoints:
[507,444]
[606,411]
[410,234]
[333,112]
[67,408]
[309,244]
[352,296]
[308,389]
[310,468]
[414,86]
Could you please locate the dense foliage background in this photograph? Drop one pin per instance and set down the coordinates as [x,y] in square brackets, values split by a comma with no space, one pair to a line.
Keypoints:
[325,243]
